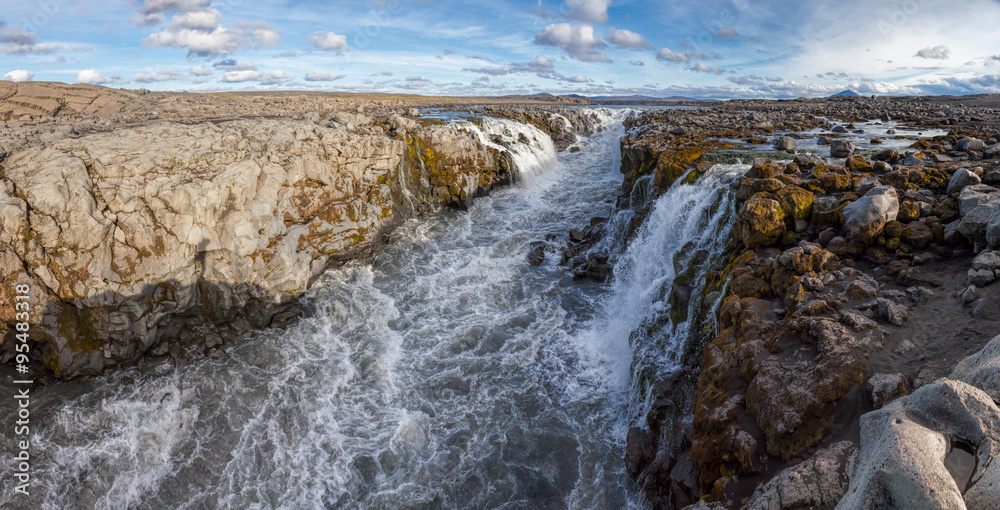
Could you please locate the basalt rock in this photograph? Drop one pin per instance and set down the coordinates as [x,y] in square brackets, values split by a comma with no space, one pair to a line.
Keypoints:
[130,237]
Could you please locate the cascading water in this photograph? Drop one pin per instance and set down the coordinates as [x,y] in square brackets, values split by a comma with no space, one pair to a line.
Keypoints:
[447,374]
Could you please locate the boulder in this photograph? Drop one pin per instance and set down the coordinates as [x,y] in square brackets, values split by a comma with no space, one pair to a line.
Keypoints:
[973,225]
[970,144]
[760,222]
[974,195]
[885,388]
[808,160]
[841,149]
[960,179]
[982,369]
[865,217]
[820,481]
[785,143]
[887,155]
[901,464]
[912,160]
[993,228]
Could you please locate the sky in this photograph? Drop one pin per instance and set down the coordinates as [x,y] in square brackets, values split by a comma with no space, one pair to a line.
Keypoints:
[704,49]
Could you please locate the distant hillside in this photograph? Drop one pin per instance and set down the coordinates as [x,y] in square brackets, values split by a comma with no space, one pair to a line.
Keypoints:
[637,98]
[846,93]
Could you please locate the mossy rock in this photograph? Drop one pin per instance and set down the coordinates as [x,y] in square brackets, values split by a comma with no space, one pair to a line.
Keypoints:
[893,229]
[761,221]
[908,211]
[796,202]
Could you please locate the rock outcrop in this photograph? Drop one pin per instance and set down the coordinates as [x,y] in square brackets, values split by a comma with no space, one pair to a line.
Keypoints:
[904,446]
[136,237]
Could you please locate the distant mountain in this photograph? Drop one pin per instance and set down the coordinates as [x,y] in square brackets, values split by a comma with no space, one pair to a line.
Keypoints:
[849,93]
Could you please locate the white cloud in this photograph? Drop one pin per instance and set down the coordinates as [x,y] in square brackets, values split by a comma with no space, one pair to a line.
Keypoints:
[726,33]
[628,39]
[576,40]
[206,20]
[318,76]
[936,53]
[201,71]
[19,75]
[230,64]
[152,12]
[165,75]
[240,76]
[18,42]
[595,11]
[95,78]
[272,78]
[328,41]
[668,54]
[202,34]
[578,79]
[701,67]
[543,61]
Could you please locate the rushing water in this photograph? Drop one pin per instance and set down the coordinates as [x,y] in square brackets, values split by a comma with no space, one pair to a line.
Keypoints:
[447,374]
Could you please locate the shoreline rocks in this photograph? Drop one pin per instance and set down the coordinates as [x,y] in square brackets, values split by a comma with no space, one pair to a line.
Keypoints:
[138,240]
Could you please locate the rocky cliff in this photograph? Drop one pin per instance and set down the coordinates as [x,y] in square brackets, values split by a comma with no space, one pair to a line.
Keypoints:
[142,239]
[853,277]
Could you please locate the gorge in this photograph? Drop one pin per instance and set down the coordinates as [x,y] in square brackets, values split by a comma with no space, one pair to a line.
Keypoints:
[372,304]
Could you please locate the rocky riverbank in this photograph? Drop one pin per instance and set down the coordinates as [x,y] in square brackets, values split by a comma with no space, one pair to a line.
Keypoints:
[152,224]
[855,276]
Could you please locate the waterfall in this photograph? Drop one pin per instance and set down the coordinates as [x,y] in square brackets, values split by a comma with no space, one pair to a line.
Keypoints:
[687,220]
[531,150]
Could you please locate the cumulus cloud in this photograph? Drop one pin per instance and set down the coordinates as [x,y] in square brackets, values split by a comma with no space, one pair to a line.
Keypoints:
[595,11]
[165,75]
[230,64]
[93,77]
[19,75]
[201,71]
[492,71]
[153,12]
[935,53]
[328,41]
[628,39]
[637,63]
[701,67]
[201,33]
[726,33]
[318,76]
[668,54]
[542,61]
[18,42]
[576,40]
[578,79]
[272,78]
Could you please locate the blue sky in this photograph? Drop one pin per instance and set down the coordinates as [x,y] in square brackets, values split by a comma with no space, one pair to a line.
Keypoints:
[710,48]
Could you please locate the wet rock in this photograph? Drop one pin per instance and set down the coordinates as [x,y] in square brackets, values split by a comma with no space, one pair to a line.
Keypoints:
[839,129]
[841,149]
[536,253]
[865,217]
[820,481]
[785,143]
[960,179]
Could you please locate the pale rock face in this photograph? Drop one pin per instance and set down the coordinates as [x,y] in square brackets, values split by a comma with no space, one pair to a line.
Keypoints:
[866,216]
[904,445]
[126,235]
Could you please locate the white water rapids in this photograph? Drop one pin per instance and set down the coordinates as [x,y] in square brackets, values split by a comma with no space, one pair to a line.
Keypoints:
[447,374]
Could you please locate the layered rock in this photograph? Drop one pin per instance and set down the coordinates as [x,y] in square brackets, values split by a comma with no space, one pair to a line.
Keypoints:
[131,239]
